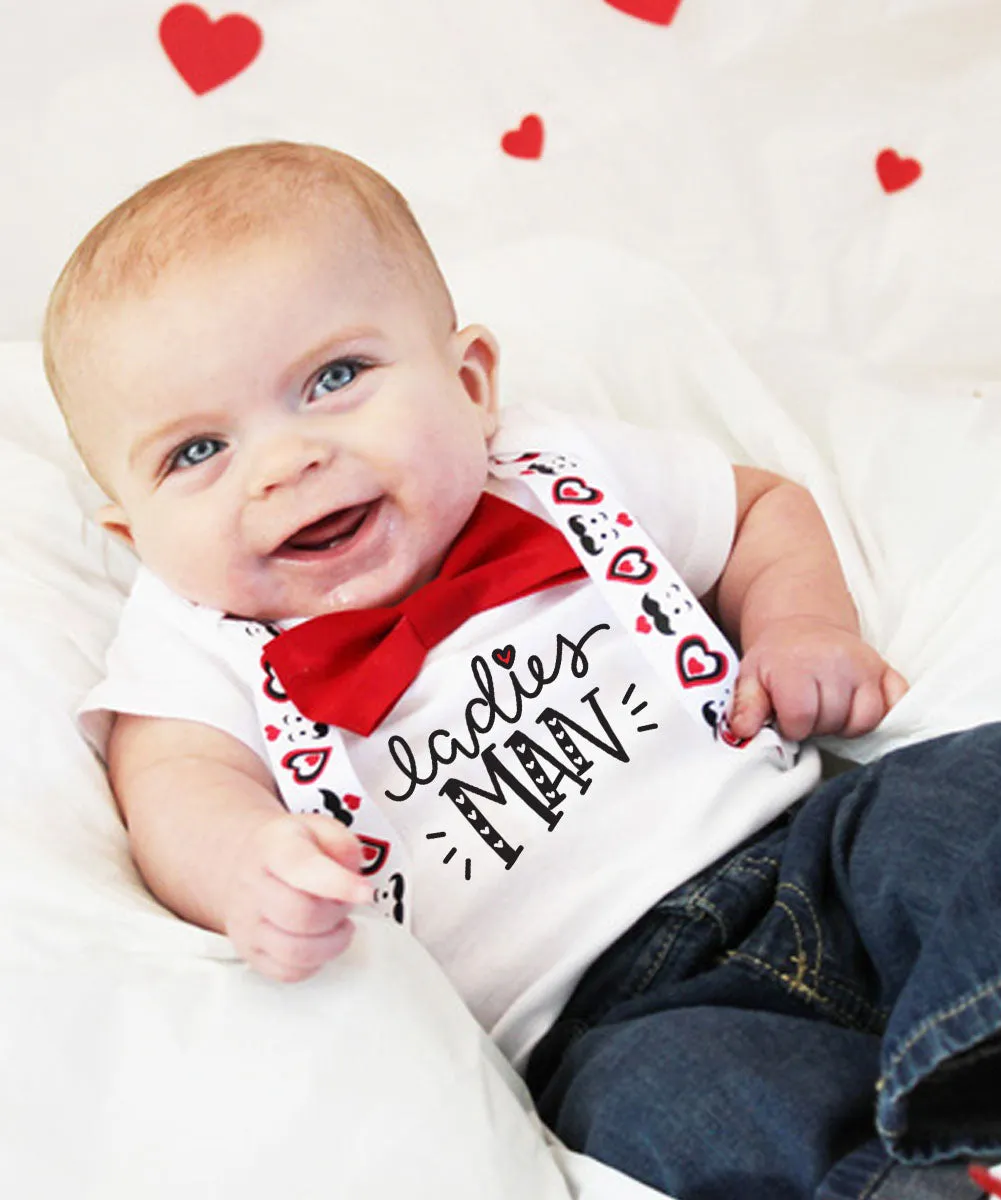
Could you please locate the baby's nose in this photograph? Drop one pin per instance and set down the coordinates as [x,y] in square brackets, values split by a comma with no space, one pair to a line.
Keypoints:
[284,460]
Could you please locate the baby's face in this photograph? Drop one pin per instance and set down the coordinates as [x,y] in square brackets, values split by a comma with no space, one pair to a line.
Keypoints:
[287,430]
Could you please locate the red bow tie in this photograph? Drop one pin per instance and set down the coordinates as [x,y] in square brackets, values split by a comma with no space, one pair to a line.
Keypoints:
[349,668]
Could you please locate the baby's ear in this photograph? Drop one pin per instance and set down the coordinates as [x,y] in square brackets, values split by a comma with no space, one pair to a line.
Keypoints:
[477,355]
[112,518]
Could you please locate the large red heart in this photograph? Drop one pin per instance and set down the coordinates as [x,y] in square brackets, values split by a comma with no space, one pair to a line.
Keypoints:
[895,172]
[526,140]
[631,565]
[657,12]
[306,765]
[697,664]
[207,53]
[571,489]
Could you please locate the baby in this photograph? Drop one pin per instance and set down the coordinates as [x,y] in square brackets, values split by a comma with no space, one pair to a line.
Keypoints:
[471,635]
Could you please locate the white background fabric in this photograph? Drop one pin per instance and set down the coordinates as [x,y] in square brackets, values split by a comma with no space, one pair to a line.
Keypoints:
[723,164]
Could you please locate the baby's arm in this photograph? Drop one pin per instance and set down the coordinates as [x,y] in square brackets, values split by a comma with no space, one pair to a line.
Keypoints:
[783,596]
[215,845]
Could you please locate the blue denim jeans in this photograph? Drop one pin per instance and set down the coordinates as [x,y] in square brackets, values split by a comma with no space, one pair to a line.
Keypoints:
[823,1002]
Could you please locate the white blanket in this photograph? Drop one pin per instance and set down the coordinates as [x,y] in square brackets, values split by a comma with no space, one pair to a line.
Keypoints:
[773,222]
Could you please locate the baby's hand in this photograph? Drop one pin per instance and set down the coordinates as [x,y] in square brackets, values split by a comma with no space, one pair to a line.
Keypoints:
[816,678]
[292,890]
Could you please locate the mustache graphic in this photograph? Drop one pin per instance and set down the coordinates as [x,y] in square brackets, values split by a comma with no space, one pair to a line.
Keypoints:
[660,619]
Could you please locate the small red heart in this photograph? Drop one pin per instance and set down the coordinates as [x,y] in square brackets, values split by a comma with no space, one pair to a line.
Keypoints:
[352,801]
[207,53]
[504,657]
[271,732]
[896,173]
[624,519]
[643,625]
[526,140]
[657,12]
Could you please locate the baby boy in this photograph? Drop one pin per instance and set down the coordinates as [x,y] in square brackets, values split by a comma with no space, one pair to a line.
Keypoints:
[469,634]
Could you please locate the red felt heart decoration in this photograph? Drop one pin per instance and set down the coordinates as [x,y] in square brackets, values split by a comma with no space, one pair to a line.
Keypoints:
[207,53]
[657,12]
[895,172]
[526,140]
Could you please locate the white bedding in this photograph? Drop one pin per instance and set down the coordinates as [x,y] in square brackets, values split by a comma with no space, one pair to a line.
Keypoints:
[724,163]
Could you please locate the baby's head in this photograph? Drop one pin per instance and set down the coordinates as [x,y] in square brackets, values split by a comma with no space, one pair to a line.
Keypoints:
[258,359]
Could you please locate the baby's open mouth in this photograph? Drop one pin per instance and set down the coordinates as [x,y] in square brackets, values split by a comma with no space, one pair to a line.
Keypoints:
[329,531]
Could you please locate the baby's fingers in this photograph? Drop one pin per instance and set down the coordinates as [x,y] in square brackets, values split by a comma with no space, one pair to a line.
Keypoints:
[868,708]
[291,959]
[872,701]
[321,858]
[895,687]
[751,708]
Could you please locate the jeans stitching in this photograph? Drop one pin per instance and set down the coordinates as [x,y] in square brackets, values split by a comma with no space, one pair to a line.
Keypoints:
[800,960]
[698,906]
[850,1020]
[656,963]
[701,907]
[753,869]
[927,1026]
[870,1185]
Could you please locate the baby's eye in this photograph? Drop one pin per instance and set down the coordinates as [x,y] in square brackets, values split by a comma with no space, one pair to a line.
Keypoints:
[335,376]
[192,453]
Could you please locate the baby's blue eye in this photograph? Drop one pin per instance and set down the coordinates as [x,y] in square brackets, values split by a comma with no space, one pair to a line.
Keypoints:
[334,376]
[192,453]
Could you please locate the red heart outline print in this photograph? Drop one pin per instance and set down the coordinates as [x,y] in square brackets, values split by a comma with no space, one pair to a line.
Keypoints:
[272,685]
[207,53]
[306,765]
[525,141]
[571,489]
[697,664]
[631,565]
[374,853]
[895,172]
[657,12]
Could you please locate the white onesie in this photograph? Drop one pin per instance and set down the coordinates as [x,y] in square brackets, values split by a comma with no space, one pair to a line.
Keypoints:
[647,798]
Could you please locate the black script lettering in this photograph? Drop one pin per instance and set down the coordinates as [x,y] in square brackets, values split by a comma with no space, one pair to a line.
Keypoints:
[477,722]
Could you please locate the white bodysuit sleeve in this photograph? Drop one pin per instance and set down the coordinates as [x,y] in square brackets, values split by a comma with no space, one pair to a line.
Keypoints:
[166,662]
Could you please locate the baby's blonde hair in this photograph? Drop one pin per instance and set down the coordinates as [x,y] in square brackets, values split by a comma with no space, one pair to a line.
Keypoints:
[215,202]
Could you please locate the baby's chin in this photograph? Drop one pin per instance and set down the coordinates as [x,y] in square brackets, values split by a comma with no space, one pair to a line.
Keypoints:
[353,594]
